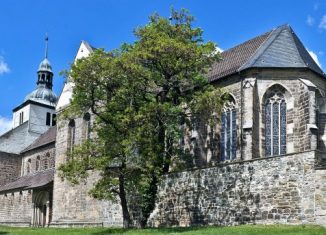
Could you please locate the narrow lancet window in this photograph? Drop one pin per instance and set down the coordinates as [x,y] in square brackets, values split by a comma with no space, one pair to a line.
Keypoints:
[71,135]
[28,167]
[37,166]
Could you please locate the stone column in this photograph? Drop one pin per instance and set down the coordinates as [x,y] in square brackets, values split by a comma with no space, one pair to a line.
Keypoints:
[33,214]
[247,117]
[47,221]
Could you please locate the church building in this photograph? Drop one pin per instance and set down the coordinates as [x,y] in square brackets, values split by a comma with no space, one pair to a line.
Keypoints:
[264,163]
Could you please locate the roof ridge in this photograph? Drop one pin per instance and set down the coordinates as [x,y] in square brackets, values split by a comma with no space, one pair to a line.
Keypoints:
[264,46]
[14,128]
[303,53]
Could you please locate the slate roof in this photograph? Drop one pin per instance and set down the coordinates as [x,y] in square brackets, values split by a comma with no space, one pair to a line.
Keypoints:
[36,180]
[278,48]
[47,138]
[12,141]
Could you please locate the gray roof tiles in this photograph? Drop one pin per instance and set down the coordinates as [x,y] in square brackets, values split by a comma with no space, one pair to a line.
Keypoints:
[279,48]
[36,180]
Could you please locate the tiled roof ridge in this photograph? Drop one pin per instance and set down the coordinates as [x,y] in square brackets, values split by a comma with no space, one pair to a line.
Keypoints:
[272,35]
[231,62]
[247,41]
[277,48]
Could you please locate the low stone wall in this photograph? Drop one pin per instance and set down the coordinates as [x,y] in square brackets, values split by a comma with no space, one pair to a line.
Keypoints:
[264,191]
[16,208]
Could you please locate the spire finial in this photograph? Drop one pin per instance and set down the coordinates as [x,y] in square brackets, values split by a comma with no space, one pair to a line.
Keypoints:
[46,45]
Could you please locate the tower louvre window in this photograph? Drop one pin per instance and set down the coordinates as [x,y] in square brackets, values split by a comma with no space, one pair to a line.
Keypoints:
[21,118]
[48,119]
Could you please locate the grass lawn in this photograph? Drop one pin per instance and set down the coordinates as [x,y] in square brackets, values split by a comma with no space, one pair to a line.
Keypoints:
[238,230]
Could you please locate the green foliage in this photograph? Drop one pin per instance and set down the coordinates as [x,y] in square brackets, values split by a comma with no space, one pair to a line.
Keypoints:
[140,95]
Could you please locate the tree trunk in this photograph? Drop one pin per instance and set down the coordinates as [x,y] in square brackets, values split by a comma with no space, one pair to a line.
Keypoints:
[123,201]
[149,200]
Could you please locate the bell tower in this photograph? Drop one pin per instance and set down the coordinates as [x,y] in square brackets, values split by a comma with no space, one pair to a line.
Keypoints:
[39,106]
[44,72]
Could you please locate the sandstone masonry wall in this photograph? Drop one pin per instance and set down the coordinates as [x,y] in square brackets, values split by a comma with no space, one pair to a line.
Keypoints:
[263,191]
[46,155]
[72,205]
[10,165]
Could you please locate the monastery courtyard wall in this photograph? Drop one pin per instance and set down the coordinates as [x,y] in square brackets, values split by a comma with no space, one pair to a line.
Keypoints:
[285,189]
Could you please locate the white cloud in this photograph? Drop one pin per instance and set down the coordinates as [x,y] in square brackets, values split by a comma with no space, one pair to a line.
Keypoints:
[218,49]
[5,124]
[315,57]
[3,66]
[322,23]
[316,6]
[310,20]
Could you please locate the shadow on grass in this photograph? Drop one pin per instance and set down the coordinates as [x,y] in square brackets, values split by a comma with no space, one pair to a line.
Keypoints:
[2,233]
[148,230]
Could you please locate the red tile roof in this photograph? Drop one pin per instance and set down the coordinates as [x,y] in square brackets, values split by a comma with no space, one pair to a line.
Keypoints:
[236,57]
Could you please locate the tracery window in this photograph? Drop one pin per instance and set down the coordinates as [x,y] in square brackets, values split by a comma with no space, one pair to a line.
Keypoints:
[275,124]
[228,145]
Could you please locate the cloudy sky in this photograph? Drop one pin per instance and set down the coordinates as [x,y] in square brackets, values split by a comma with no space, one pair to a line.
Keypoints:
[108,23]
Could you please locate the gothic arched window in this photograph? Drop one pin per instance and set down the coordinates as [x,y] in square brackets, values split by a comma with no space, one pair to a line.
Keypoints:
[86,126]
[46,161]
[275,124]
[228,145]
[71,135]
[28,167]
[37,164]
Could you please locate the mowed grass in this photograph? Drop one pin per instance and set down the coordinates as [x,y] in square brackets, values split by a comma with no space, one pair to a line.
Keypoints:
[237,230]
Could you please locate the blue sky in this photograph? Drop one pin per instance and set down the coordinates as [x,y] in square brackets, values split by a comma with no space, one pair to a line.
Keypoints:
[108,23]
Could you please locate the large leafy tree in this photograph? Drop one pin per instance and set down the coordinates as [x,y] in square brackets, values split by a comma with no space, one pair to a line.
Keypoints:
[140,95]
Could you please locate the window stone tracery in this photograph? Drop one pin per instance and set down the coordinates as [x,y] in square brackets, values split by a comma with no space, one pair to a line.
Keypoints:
[228,131]
[275,124]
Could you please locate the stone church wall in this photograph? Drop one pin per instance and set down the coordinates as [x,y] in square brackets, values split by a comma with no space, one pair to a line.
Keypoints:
[72,205]
[10,165]
[320,196]
[46,156]
[16,208]
[261,191]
